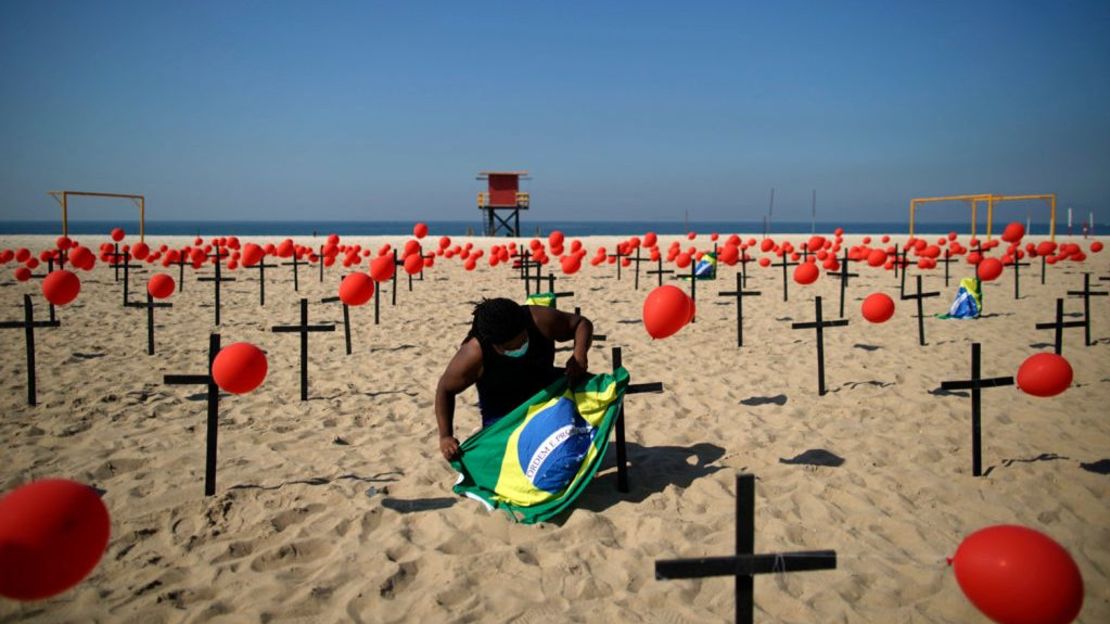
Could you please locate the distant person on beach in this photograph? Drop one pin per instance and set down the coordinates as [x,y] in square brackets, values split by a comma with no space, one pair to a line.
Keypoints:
[510,354]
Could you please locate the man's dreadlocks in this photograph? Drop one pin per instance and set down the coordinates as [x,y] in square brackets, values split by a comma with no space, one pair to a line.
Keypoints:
[497,321]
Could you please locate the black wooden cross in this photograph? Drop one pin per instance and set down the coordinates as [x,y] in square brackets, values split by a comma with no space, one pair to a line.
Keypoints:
[946,258]
[660,271]
[1087,293]
[115,256]
[295,263]
[978,280]
[622,451]
[1044,268]
[150,305]
[393,291]
[976,384]
[213,396]
[843,274]
[181,262]
[1017,264]
[785,264]
[895,261]
[919,296]
[126,266]
[739,293]
[320,259]
[744,260]
[596,337]
[694,287]
[304,329]
[555,296]
[28,325]
[216,280]
[1059,326]
[820,324]
[619,256]
[905,269]
[637,260]
[745,564]
[346,320]
[377,303]
[49,270]
[262,266]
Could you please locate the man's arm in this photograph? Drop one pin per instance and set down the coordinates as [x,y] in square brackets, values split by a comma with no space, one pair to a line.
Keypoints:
[463,370]
[563,326]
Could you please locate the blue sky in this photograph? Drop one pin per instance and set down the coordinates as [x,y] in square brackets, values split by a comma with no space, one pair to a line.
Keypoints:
[329,110]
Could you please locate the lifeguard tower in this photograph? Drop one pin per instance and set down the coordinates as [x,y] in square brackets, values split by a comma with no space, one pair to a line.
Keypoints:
[503,194]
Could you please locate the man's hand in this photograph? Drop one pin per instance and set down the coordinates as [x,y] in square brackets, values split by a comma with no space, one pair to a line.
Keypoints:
[576,369]
[449,446]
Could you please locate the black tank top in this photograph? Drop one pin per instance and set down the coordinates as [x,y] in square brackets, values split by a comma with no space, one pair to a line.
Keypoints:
[507,382]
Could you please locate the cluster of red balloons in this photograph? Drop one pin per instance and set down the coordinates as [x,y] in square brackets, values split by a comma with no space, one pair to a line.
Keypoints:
[667,309]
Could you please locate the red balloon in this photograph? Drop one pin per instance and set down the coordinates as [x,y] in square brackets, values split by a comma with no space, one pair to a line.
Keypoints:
[806,273]
[1096,246]
[1016,575]
[52,534]
[420,230]
[381,268]
[1044,375]
[682,260]
[989,269]
[356,289]
[140,251]
[22,274]
[764,262]
[239,367]
[61,287]
[414,264]
[876,258]
[160,286]
[252,253]
[877,308]
[1013,232]
[666,310]
[118,234]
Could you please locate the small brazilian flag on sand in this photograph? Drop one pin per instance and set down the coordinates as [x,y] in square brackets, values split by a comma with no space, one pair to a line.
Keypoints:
[536,461]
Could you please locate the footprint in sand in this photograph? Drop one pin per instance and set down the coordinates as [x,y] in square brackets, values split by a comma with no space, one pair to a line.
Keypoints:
[290,517]
[291,554]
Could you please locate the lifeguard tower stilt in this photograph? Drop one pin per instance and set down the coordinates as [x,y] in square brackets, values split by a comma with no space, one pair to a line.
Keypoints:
[503,194]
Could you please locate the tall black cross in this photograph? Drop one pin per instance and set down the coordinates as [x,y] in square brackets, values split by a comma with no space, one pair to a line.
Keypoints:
[905,269]
[1044,268]
[295,263]
[181,262]
[820,324]
[843,274]
[1087,293]
[346,320]
[393,291]
[744,260]
[946,258]
[919,296]
[739,293]
[28,325]
[213,396]
[126,265]
[785,264]
[745,564]
[978,280]
[694,286]
[262,266]
[660,271]
[320,259]
[619,256]
[637,260]
[894,264]
[150,305]
[555,296]
[976,384]
[622,451]
[303,329]
[49,270]
[1059,326]
[216,280]
[1017,264]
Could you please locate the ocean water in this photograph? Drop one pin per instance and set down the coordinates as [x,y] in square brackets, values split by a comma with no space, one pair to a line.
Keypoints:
[528,227]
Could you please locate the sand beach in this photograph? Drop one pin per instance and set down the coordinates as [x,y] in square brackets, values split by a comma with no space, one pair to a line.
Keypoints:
[340,509]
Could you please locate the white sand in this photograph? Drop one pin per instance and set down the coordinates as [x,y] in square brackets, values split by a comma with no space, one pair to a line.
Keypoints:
[292,535]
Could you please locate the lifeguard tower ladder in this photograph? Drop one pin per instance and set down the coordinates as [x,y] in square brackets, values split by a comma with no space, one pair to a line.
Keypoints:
[504,195]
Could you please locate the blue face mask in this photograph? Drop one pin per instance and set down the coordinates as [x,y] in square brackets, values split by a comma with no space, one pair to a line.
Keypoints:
[518,352]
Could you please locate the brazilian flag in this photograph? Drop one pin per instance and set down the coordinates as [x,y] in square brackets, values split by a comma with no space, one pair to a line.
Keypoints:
[536,461]
[546,300]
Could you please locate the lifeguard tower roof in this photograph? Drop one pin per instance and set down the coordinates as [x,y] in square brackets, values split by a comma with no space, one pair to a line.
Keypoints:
[482,175]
